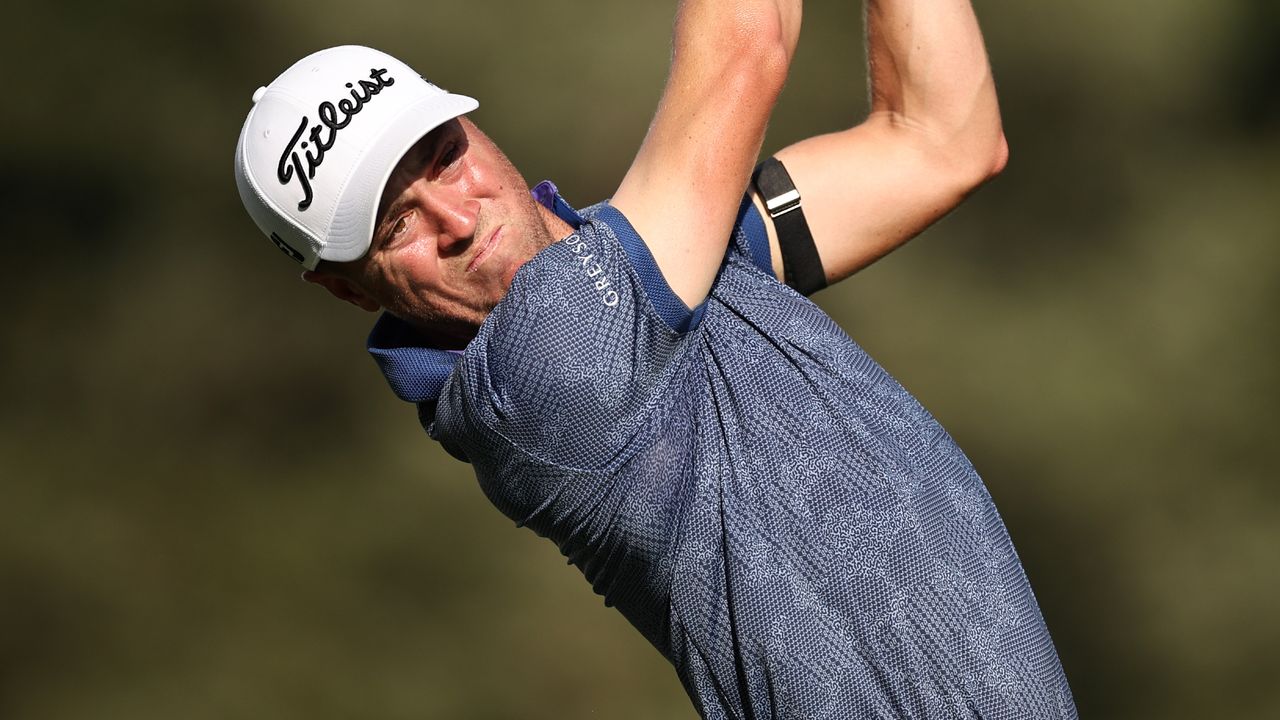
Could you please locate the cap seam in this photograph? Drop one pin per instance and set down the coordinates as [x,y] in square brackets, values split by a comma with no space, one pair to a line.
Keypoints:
[266,201]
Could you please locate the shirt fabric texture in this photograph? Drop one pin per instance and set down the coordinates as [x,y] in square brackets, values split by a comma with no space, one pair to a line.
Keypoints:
[760,499]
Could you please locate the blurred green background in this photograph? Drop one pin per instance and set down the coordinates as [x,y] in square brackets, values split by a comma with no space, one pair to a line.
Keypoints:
[214,508]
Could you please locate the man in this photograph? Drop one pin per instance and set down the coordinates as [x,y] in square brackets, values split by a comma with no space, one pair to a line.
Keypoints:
[759,498]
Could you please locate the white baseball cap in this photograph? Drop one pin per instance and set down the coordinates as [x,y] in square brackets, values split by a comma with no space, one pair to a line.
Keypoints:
[321,141]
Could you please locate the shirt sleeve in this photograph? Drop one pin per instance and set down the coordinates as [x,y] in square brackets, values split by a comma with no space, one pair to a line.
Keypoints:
[750,241]
[748,244]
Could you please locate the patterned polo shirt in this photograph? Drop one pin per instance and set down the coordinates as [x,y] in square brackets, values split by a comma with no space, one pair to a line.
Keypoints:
[760,499]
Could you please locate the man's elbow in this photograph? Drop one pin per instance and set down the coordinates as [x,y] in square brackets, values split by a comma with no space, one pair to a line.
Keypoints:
[1000,159]
[767,67]
[973,164]
[749,47]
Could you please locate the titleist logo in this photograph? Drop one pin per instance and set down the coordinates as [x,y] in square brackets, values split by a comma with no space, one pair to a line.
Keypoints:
[318,142]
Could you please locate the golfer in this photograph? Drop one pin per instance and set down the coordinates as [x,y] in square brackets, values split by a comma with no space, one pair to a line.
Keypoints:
[643,381]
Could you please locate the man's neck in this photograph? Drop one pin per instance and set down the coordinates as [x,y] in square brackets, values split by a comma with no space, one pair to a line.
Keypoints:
[557,229]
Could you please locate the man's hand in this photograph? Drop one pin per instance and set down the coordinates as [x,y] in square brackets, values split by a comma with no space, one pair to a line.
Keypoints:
[933,136]
[683,190]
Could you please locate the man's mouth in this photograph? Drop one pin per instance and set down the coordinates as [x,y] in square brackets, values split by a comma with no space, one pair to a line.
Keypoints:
[490,244]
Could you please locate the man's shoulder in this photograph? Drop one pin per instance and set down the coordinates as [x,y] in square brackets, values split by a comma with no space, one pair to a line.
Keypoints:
[570,357]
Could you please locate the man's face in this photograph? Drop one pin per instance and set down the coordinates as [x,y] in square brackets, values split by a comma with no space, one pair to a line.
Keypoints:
[455,222]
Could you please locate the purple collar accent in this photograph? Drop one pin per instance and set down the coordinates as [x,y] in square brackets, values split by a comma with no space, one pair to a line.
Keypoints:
[548,195]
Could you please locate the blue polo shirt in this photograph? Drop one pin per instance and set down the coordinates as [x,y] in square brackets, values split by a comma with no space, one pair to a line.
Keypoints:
[771,509]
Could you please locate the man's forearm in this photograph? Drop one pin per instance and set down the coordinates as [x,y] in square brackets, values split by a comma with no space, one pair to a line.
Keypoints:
[928,67]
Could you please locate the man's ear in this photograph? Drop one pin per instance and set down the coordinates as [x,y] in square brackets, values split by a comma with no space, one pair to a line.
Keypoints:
[342,288]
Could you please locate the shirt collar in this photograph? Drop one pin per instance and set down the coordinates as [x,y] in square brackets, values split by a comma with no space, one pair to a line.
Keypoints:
[415,370]
[548,195]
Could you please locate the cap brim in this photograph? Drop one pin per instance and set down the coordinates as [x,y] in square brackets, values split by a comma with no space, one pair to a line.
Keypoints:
[352,230]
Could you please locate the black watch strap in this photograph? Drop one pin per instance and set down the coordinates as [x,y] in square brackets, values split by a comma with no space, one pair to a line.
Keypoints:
[800,262]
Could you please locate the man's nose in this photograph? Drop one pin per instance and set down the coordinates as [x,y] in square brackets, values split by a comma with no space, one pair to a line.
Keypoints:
[455,220]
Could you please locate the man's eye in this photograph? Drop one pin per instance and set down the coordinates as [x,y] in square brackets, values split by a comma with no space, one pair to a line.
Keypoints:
[398,228]
[449,155]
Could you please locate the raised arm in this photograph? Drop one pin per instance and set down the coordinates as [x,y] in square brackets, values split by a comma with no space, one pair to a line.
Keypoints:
[682,192]
[932,137]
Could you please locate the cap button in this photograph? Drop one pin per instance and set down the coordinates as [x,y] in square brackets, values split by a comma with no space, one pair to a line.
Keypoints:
[257,94]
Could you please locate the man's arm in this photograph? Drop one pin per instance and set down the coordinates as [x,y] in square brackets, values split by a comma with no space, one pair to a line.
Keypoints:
[932,137]
[683,190]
